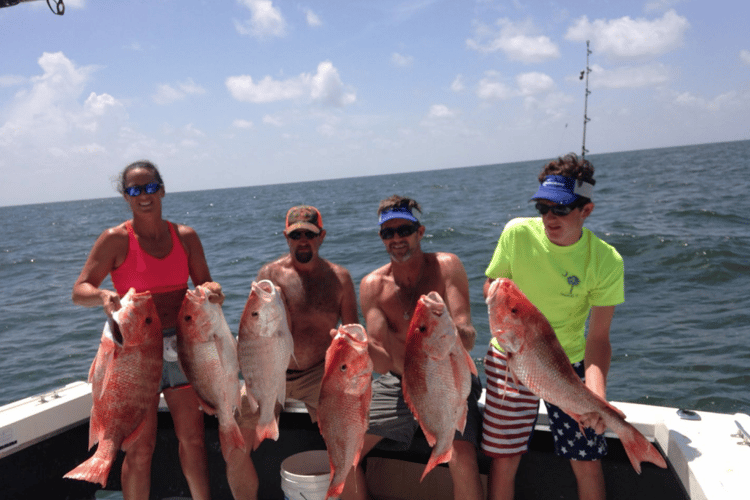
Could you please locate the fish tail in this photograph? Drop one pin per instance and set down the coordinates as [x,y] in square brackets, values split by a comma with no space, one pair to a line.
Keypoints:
[335,488]
[639,449]
[434,461]
[269,430]
[230,438]
[94,470]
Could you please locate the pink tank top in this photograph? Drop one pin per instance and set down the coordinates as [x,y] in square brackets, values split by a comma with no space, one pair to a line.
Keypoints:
[147,273]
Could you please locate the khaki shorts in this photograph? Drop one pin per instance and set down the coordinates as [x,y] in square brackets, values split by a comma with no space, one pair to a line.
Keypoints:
[302,385]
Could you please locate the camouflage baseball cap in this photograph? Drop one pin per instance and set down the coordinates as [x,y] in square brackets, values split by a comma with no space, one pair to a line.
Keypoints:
[304,217]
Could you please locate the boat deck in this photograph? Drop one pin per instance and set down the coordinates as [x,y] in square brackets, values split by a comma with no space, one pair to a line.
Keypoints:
[42,438]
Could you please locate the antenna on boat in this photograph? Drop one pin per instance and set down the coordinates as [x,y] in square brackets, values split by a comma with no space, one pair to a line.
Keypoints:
[586,118]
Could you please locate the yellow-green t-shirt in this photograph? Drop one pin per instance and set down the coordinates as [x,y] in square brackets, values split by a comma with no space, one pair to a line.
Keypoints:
[562,282]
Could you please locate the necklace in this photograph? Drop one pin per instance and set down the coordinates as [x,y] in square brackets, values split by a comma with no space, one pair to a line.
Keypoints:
[405,307]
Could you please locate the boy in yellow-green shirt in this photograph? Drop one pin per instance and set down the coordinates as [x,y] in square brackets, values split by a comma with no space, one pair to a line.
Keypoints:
[568,273]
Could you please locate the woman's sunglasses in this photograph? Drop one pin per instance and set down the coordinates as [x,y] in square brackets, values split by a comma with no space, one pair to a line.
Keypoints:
[295,235]
[150,188]
[403,231]
[559,210]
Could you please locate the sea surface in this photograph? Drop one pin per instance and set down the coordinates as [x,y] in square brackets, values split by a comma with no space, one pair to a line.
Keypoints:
[680,217]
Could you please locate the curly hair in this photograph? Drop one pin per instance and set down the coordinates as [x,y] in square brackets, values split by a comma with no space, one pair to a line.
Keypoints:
[570,166]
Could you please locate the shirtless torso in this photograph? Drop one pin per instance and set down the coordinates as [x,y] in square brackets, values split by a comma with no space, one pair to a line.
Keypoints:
[389,294]
[317,298]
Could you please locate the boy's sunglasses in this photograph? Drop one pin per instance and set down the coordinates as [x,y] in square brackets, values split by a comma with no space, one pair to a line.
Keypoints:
[403,231]
[295,235]
[150,188]
[559,210]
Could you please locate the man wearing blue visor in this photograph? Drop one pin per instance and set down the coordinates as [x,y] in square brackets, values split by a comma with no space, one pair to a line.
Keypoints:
[570,275]
[388,296]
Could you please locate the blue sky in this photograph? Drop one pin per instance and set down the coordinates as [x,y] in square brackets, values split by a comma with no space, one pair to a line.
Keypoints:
[230,93]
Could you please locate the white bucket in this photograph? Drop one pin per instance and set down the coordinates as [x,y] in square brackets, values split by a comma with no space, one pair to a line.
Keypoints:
[306,475]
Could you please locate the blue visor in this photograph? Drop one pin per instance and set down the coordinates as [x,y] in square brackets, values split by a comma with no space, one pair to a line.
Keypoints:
[397,213]
[563,190]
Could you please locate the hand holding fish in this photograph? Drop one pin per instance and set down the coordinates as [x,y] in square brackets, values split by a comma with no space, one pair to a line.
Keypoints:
[110,302]
[594,421]
[537,359]
[215,295]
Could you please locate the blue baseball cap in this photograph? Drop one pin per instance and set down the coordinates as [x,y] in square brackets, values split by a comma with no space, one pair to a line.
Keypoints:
[563,190]
[397,213]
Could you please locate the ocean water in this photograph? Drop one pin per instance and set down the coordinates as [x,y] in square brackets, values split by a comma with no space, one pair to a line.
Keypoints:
[679,217]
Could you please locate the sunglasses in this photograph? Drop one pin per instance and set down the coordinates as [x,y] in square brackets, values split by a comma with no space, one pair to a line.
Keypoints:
[559,210]
[403,231]
[295,235]
[150,188]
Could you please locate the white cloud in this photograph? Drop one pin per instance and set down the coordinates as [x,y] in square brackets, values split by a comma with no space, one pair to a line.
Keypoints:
[745,56]
[240,123]
[458,84]
[630,76]
[265,20]
[534,83]
[167,94]
[490,88]
[440,111]
[727,100]
[273,120]
[56,132]
[629,38]
[11,80]
[401,60]
[324,87]
[312,19]
[518,41]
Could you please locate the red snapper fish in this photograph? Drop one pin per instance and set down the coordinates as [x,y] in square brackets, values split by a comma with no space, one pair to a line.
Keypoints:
[537,359]
[344,404]
[437,376]
[125,378]
[265,347]
[208,356]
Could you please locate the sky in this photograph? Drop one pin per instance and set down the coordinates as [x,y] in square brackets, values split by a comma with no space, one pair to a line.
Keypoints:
[233,93]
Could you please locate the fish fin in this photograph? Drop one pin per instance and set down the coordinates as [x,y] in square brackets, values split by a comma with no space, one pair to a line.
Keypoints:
[470,362]
[207,407]
[434,461]
[254,406]
[230,437]
[281,391]
[93,470]
[461,423]
[509,374]
[269,430]
[133,437]
[639,449]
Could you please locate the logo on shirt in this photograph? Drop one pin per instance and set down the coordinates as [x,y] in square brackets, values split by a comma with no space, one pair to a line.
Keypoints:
[573,281]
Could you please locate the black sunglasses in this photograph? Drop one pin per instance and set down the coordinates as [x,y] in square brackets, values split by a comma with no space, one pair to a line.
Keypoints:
[295,235]
[559,210]
[403,231]
[150,188]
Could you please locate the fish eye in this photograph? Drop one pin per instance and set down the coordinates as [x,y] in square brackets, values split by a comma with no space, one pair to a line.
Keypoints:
[343,368]
[514,310]
[255,313]
[188,318]
[422,328]
[149,321]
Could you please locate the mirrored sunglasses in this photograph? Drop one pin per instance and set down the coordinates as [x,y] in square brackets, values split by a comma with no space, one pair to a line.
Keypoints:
[150,188]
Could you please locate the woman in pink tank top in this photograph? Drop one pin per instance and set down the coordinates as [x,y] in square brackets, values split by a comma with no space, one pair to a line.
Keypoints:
[150,253]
